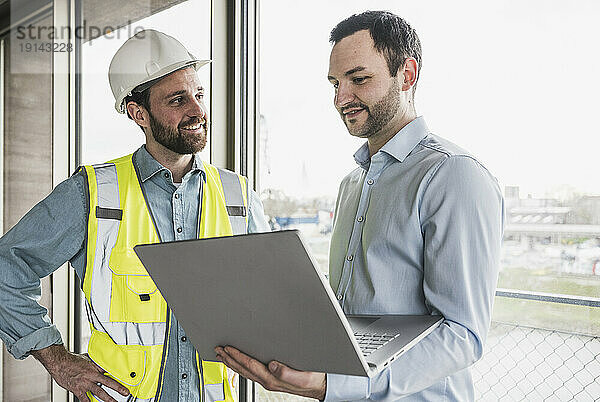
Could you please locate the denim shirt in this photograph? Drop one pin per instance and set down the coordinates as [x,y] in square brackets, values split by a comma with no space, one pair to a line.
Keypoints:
[418,230]
[53,232]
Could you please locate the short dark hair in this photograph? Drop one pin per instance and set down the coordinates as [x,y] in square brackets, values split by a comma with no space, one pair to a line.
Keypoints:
[141,96]
[394,38]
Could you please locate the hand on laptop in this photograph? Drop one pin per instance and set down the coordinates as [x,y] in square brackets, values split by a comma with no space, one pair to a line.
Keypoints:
[276,377]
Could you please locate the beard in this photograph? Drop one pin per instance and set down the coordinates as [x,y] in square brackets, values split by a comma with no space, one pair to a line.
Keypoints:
[378,115]
[177,141]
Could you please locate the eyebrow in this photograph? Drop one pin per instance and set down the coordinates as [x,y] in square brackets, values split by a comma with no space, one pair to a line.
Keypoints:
[181,92]
[354,70]
[349,72]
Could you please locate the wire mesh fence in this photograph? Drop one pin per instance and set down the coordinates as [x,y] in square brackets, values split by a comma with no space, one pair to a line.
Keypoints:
[532,364]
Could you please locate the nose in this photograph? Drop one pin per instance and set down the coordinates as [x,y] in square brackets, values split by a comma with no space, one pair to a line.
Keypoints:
[197,109]
[343,95]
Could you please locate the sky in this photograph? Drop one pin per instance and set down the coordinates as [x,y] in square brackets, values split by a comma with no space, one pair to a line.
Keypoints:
[513,82]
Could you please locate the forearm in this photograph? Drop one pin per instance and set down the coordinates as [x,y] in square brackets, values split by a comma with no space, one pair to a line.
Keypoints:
[51,356]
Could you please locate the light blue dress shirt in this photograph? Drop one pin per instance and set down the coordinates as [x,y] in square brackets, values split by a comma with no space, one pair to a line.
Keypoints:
[418,230]
[53,232]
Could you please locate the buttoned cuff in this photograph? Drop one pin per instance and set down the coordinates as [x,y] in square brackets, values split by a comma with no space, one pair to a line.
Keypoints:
[346,388]
[36,340]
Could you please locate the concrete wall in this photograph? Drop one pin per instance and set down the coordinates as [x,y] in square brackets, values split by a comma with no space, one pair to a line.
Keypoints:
[27,179]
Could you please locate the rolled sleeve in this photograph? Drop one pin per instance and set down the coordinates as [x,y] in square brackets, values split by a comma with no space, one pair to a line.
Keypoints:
[49,235]
[38,339]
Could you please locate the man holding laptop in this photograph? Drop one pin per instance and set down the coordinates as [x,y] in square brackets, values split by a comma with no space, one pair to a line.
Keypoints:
[418,227]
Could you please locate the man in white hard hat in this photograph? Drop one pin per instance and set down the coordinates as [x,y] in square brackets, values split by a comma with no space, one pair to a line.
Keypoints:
[162,192]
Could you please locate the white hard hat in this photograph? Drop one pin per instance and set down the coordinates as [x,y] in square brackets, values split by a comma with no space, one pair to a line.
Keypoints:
[144,57]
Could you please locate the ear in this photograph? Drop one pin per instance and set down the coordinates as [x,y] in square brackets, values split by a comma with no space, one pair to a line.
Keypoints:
[409,73]
[139,114]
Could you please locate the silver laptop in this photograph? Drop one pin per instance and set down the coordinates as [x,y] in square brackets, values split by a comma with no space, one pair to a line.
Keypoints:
[263,294]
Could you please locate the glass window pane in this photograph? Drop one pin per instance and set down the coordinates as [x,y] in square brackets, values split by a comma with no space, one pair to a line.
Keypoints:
[106,134]
[553,207]
[514,84]
[305,150]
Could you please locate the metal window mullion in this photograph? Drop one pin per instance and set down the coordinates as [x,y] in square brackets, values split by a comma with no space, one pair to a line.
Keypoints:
[249,108]
[248,88]
[76,149]
[254,138]
[246,390]
[62,113]
[237,109]
[225,84]
[220,101]
[252,110]
[73,295]
[2,72]
[243,87]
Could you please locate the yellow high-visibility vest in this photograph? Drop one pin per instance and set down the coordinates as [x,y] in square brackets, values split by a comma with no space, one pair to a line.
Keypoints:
[129,319]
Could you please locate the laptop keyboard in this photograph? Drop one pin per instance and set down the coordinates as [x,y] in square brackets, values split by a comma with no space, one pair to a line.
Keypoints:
[369,342]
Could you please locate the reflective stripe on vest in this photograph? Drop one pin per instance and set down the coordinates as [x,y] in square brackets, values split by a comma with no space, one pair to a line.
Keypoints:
[128,315]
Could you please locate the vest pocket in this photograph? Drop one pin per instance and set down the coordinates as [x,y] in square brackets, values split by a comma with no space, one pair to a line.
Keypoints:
[134,295]
[125,262]
[126,364]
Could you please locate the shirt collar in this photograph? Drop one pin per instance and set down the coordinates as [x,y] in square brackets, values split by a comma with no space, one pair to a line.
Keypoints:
[399,146]
[362,156]
[148,166]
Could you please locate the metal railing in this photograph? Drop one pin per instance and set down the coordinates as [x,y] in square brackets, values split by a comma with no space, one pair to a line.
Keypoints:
[549,297]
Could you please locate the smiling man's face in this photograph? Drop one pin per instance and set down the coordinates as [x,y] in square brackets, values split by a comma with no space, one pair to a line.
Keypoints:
[178,118]
[366,95]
